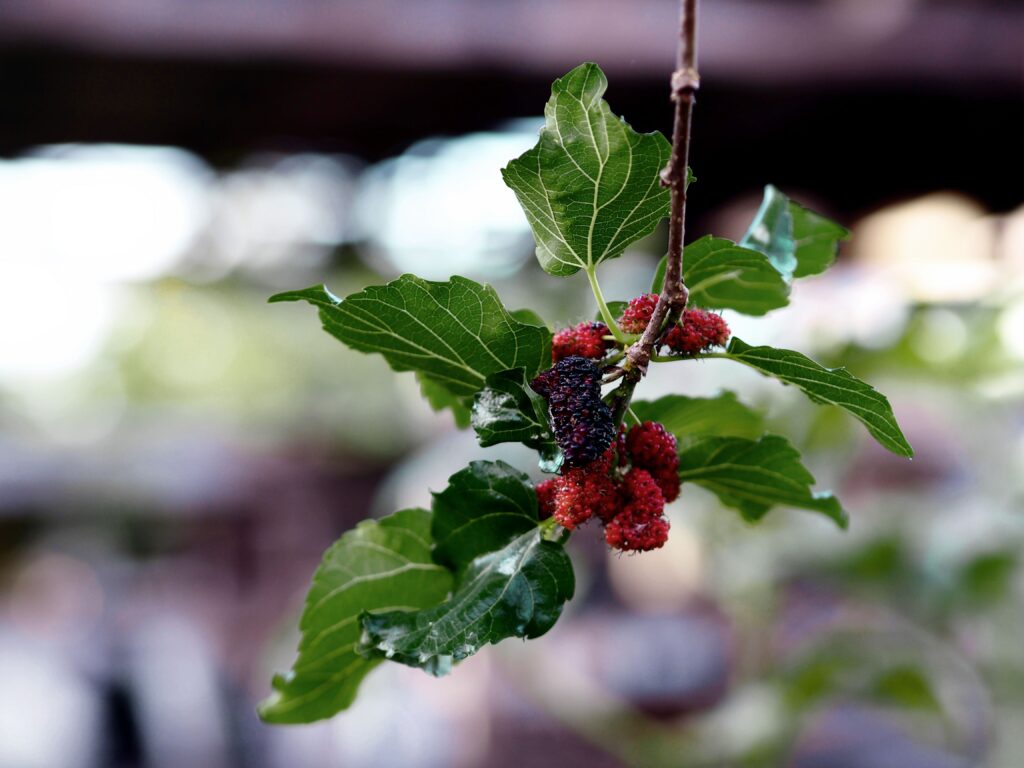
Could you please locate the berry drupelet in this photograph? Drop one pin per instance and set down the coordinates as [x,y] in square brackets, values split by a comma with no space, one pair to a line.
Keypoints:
[583,340]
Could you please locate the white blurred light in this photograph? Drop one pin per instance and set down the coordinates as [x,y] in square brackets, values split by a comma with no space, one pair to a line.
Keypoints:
[1011,329]
[101,213]
[49,326]
[180,711]
[49,716]
[278,212]
[936,248]
[75,410]
[442,208]
[941,336]
[74,222]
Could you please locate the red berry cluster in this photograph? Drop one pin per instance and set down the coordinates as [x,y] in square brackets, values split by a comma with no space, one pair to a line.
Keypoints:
[637,313]
[698,330]
[653,448]
[584,340]
[627,492]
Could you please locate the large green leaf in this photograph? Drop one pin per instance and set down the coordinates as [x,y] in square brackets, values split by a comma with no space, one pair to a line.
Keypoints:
[755,475]
[722,275]
[827,385]
[507,410]
[439,398]
[453,334]
[817,240]
[798,241]
[516,591]
[591,185]
[689,418]
[484,506]
[379,565]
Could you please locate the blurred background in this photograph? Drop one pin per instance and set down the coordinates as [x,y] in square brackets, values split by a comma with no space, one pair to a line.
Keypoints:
[175,454]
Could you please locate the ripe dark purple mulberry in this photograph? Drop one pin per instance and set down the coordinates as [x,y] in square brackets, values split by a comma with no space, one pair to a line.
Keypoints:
[582,423]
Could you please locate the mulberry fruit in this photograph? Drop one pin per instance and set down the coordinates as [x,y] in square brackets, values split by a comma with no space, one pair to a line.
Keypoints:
[650,445]
[640,525]
[668,481]
[698,330]
[546,498]
[637,314]
[584,340]
[585,492]
[582,423]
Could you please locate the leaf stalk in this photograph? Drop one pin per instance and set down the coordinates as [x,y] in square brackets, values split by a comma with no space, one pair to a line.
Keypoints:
[602,305]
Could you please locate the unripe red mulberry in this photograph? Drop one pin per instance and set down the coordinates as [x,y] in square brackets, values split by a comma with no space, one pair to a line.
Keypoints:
[546,498]
[698,330]
[637,314]
[585,492]
[667,478]
[584,340]
[640,525]
[650,446]
[582,423]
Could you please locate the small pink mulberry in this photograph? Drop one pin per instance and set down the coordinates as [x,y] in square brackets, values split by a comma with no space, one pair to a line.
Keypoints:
[637,314]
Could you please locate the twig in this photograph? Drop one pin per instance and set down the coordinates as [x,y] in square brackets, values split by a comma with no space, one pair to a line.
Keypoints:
[672,301]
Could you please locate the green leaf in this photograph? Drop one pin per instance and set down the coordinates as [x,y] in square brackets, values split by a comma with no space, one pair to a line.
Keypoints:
[379,565]
[507,410]
[454,334]
[755,475]
[798,241]
[591,185]
[658,282]
[440,398]
[528,316]
[817,240]
[771,232]
[722,275]
[827,385]
[694,417]
[516,591]
[484,506]
[986,578]
[906,686]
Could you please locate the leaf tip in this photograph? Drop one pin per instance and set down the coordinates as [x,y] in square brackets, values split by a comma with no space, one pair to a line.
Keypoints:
[315,294]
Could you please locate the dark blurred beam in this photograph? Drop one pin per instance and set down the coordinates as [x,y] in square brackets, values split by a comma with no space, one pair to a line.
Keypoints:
[741,39]
[854,144]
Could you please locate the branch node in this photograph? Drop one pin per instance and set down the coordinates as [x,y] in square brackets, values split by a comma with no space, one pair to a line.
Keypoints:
[685,80]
